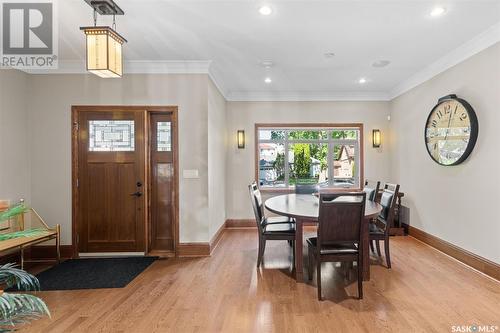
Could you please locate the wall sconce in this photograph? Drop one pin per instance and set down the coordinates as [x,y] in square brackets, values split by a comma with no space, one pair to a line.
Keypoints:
[241,139]
[377,139]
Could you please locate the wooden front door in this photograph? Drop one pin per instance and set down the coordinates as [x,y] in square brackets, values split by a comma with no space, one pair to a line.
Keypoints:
[162,175]
[111,180]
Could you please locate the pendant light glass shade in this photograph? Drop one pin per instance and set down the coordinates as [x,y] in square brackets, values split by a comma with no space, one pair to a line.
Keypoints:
[104,51]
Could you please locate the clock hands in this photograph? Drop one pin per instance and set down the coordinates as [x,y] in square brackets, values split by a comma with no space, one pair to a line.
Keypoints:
[449,122]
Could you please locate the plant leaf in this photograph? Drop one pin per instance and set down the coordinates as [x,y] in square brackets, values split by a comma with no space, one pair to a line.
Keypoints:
[10,276]
[16,309]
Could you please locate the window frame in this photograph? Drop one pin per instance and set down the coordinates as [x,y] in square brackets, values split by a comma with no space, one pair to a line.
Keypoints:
[328,141]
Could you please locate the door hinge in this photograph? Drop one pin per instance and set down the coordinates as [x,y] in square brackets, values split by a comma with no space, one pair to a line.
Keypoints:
[76,125]
[77,182]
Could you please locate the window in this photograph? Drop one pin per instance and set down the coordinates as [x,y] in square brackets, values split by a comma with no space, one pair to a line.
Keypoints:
[111,135]
[328,156]
[163,136]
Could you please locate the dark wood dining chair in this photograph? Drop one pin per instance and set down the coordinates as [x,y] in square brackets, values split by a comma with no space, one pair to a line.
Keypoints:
[339,234]
[277,228]
[371,189]
[380,228]
[260,209]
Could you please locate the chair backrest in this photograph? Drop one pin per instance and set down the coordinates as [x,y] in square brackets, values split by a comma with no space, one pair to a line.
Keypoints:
[306,188]
[388,203]
[258,207]
[340,218]
[371,189]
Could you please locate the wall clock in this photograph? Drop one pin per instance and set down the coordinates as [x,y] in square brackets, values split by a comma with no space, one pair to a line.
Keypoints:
[451,131]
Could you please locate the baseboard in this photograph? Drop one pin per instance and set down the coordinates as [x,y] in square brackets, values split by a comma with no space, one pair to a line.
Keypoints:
[193,250]
[40,252]
[217,237]
[479,263]
[205,249]
[240,223]
[201,249]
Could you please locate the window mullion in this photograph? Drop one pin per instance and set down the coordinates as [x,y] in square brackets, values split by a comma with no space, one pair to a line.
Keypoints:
[330,163]
[358,165]
[287,164]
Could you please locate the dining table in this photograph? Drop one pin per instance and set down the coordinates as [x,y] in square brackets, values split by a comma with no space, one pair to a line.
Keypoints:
[304,208]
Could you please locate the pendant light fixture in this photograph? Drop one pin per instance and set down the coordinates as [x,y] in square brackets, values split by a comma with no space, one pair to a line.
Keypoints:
[104,56]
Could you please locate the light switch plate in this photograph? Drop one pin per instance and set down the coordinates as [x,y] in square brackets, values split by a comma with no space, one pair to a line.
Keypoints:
[192,174]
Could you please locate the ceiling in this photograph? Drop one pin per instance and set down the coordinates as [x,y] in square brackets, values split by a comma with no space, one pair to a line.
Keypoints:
[236,39]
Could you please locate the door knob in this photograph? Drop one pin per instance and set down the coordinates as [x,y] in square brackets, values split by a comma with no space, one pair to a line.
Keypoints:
[136,194]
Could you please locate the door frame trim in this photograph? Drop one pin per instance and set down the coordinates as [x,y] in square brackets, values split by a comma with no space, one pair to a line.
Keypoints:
[146,110]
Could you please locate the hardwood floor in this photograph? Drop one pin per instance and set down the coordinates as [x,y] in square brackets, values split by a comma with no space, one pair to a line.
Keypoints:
[425,291]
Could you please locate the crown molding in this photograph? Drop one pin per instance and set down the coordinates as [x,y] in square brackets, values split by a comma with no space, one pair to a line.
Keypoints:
[305,96]
[479,43]
[218,82]
[135,67]
[484,40]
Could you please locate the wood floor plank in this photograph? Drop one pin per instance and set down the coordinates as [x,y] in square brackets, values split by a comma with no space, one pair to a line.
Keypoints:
[425,291]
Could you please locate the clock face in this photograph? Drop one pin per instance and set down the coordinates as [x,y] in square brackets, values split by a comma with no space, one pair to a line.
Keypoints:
[451,131]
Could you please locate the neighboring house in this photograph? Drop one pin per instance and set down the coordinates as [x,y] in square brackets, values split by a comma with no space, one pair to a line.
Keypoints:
[268,153]
[315,168]
[344,164]
[267,172]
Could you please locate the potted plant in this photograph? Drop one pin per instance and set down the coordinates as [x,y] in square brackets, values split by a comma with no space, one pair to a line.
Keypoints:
[15,308]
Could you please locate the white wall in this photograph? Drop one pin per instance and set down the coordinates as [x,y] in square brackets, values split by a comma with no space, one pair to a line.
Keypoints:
[217,144]
[458,204]
[244,115]
[14,136]
[50,115]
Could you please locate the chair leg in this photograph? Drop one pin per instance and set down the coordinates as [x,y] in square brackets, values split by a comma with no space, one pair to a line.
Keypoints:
[371,246]
[310,263]
[387,254]
[290,242]
[262,247]
[377,242]
[293,254]
[360,279]
[318,277]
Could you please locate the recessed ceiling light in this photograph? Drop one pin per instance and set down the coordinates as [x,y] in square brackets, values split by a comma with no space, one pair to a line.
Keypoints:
[381,63]
[268,80]
[265,10]
[266,63]
[329,55]
[362,80]
[438,11]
